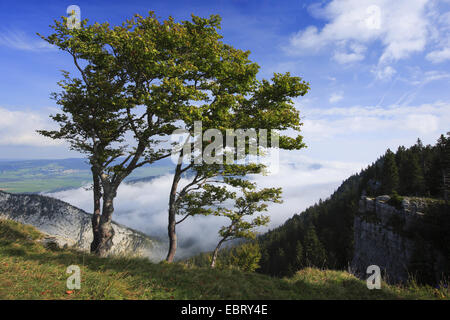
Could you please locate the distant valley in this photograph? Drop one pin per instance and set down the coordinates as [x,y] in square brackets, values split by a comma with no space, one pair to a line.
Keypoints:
[42,176]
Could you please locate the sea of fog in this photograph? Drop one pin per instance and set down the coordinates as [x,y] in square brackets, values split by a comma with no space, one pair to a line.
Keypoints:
[143,205]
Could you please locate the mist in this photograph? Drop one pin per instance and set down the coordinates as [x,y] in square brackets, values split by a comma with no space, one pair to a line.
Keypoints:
[143,205]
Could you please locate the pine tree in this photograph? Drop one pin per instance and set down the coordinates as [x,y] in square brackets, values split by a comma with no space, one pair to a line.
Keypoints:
[389,176]
[414,181]
[314,251]
[299,259]
[446,167]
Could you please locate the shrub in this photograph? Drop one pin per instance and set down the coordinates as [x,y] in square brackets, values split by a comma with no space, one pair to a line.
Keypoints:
[396,200]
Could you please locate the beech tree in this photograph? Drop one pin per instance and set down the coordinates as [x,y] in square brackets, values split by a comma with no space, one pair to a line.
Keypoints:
[242,222]
[251,105]
[132,81]
[140,81]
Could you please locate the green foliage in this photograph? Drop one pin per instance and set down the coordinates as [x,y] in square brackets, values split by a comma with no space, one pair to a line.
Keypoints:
[396,200]
[299,258]
[390,180]
[315,255]
[245,257]
[432,229]
[250,202]
[147,78]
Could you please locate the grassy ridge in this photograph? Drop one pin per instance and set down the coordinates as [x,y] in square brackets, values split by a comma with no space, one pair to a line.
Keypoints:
[30,271]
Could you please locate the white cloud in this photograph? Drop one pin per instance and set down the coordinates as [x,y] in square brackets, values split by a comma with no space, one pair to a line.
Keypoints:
[356,53]
[19,40]
[143,206]
[383,72]
[336,97]
[439,56]
[429,76]
[330,123]
[422,123]
[343,57]
[19,128]
[400,26]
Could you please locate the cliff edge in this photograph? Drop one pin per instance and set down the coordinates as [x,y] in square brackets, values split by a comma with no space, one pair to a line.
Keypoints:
[66,225]
[395,235]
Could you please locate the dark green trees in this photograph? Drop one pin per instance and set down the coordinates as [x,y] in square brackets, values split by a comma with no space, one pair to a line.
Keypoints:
[390,179]
[315,255]
[421,172]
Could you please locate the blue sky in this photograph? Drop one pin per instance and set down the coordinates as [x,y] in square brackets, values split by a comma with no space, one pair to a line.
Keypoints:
[379,70]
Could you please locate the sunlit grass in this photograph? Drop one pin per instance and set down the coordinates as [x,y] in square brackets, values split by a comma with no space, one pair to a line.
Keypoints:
[30,271]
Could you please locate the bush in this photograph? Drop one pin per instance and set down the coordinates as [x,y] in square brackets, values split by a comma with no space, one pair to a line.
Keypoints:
[396,201]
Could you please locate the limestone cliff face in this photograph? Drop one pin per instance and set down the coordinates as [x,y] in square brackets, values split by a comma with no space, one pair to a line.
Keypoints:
[384,236]
[67,225]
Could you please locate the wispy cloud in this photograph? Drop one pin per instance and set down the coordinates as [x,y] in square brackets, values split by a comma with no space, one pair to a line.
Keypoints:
[383,72]
[18,127]
[354,53]
[19,40]
[336,97]
[401,27]
[439,56]
[323,124]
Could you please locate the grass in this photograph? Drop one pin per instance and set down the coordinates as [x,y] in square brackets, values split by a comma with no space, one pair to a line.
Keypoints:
[30,271]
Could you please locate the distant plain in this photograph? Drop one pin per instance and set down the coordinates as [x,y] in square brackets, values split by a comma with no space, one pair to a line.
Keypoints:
[42,176]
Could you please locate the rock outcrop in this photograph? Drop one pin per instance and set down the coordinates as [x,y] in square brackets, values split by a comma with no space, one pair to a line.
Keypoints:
[68,226]
[384,236]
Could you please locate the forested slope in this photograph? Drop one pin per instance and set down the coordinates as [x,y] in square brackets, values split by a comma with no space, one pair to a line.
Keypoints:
[322,235]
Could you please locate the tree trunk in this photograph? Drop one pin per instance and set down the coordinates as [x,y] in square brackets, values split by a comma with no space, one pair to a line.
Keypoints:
[105,230]
[173,211]
[96,215]
[172,235]
[216,252]
[172,217]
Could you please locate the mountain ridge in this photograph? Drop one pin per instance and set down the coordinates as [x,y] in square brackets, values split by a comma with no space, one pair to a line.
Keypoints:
[72,226]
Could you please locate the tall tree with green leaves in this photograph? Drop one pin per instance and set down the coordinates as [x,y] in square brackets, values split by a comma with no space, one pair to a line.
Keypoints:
[389,178]
[146,78]
[235,101]
[134,80]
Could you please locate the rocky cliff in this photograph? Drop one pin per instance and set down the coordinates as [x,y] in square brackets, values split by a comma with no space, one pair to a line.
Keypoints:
[387,234]
[67,225]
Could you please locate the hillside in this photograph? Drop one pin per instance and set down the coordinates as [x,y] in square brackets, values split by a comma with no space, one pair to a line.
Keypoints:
[28,270]
[323,235]
[71,226]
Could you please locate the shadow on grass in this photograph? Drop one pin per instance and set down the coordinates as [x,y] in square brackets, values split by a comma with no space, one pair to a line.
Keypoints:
[205,283]
[174,281]
[352,289]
